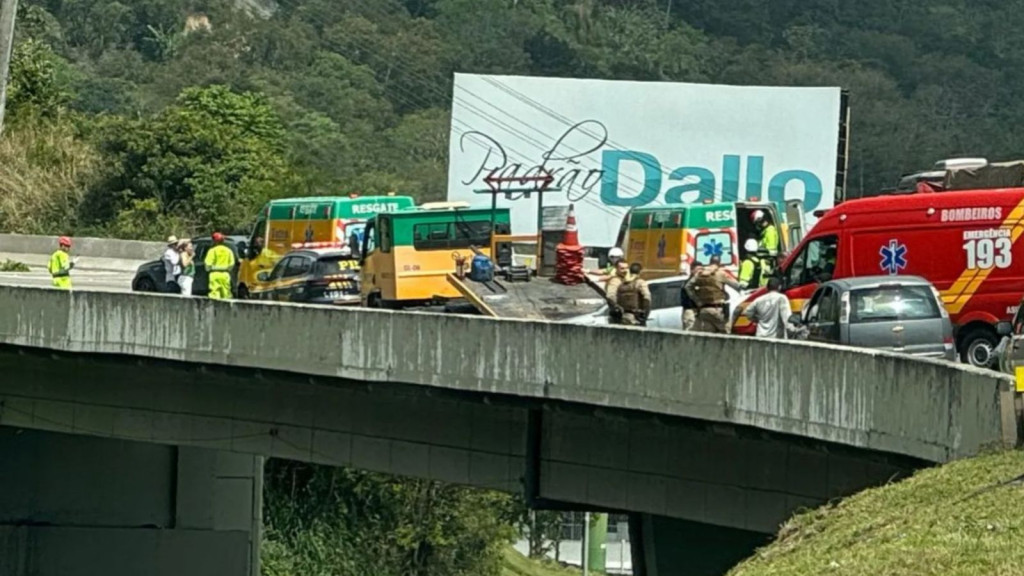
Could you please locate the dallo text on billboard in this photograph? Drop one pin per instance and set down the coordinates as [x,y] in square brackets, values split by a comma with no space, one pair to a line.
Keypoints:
[688,184]
[616,145]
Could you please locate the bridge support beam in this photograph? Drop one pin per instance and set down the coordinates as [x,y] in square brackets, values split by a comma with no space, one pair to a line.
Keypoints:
[664,546]
[76,505]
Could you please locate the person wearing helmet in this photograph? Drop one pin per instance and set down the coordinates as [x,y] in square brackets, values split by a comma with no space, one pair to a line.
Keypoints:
[61,264]
[753,269]
[615,255]
[220,261]
[768,234]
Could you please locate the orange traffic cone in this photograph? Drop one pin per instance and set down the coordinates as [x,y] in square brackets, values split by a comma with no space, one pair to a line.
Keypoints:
[569,254]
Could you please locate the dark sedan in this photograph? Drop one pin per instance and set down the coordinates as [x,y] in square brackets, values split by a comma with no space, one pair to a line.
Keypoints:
[322,276]
[150,276]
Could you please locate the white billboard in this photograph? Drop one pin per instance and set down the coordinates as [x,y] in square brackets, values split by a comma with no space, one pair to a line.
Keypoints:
[614,145]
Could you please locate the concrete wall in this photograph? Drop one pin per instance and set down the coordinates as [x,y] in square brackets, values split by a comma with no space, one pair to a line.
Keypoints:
[93,253]
[85,247]
[73,505]
[924,409]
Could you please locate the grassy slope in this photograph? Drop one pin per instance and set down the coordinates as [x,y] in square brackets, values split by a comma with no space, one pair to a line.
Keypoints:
[515,564]
[936,522]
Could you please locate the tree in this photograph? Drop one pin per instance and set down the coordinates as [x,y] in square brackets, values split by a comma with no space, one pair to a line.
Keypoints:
[331,521]
[36,88]
[207,162]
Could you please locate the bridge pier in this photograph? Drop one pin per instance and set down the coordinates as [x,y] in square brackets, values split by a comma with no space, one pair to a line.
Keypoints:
[77,505]
[664,546]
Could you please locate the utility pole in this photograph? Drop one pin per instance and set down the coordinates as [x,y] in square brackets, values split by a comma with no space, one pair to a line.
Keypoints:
[8,9]
[585,545]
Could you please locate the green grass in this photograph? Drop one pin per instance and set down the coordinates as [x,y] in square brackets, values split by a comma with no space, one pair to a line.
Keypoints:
[950,520]
[515,564]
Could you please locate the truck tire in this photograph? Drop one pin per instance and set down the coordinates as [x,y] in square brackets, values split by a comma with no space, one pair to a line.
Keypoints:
[977,347]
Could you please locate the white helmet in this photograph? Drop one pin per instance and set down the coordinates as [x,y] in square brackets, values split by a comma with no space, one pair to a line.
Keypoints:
[750,245]
[757,215]
[616,253]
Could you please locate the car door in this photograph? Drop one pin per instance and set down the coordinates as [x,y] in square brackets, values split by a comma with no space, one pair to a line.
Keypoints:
[293,282]
[268,289]
[823,317]
[667,305]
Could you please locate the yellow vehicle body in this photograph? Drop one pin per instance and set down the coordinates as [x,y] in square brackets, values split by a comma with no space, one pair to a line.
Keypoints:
[669,240]
[314,222]
[407,255]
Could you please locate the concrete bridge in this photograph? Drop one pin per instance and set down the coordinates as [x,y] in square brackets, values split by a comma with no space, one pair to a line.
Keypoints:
[709,441]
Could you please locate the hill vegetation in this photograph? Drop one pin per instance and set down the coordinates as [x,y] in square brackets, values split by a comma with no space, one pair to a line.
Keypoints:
[960,519]
[133,118]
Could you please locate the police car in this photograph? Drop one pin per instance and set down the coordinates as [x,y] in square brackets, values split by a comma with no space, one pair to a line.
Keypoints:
[325,275]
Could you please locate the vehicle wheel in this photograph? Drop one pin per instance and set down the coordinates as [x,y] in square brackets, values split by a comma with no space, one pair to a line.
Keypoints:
[145,284]
[243,292]
[977,348]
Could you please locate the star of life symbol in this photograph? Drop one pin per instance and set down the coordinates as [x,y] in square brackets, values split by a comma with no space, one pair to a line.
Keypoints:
[894,257]
[713,248]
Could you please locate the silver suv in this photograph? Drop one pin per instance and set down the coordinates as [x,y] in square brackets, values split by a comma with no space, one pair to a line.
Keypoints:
[897,313]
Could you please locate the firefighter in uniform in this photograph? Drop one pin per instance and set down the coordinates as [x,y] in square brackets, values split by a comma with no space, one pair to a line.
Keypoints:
[769,234]
[60,264]
[629,298]
[220,261]
[707,289]
[752,267]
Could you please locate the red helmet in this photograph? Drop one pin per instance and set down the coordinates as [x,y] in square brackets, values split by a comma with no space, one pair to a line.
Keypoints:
[64,241]
[218,237]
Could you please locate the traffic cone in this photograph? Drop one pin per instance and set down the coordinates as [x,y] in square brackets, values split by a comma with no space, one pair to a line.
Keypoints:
[569,254]
[572,235]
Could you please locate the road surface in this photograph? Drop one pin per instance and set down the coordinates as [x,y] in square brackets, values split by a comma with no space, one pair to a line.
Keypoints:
[98,280]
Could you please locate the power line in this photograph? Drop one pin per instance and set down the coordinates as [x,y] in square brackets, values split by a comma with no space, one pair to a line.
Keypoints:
[396,63]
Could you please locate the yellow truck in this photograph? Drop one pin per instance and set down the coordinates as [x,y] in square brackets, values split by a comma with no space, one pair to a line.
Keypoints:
[313,222]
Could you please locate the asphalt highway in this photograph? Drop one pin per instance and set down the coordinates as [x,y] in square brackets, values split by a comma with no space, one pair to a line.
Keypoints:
[98,280]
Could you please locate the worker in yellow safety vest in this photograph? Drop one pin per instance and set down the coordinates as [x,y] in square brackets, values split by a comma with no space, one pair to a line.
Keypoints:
[61,264]
[220,261]
[768,240]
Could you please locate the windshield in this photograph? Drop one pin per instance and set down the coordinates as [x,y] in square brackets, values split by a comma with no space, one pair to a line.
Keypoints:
[893,303]
[333,265]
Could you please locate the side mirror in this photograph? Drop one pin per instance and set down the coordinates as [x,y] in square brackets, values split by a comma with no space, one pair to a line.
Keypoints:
[263,276]
[1004,329]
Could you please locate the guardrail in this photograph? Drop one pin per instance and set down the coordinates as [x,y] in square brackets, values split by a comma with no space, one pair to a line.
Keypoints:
[95,253]
[85,247]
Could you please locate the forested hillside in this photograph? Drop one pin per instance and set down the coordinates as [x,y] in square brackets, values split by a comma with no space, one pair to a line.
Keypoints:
[109,133]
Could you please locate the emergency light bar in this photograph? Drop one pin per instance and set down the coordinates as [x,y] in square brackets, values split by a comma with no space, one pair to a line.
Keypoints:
[306,245]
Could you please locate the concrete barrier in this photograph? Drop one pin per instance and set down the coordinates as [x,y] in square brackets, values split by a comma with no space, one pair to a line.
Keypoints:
[95,253]
[925,409]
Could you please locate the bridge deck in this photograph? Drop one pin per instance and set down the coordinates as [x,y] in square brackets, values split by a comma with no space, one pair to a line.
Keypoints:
[538,299]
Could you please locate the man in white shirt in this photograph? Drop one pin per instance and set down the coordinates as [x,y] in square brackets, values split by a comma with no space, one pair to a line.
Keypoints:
[172,266]
[771,312]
